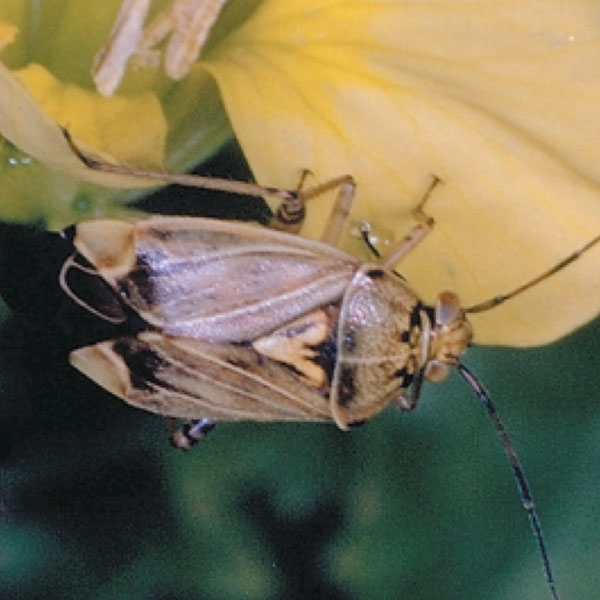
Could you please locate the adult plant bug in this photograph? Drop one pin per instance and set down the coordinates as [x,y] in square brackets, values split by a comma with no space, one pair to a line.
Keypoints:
[222,321]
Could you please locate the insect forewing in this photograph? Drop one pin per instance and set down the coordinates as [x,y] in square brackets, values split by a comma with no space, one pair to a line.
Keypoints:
[210,280]
[191,379]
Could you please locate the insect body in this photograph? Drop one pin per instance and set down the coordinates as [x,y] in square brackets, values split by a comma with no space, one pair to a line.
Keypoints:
[235,322]
[224,321]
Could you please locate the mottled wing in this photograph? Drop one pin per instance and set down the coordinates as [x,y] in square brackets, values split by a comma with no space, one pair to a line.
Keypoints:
[193,379]
[213,280]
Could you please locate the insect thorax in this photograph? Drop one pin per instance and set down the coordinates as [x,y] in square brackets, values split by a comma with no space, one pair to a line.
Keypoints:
[388,340]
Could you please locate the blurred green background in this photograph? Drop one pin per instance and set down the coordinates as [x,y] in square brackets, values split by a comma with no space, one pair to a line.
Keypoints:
[95,504]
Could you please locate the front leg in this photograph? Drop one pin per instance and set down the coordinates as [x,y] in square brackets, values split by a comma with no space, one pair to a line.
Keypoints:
[409,397]
[424,226]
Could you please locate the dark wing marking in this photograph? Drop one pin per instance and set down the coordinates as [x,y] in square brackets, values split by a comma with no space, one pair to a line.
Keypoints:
[193,379]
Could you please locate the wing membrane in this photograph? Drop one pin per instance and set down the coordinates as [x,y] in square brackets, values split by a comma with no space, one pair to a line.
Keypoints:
[193,379]
[223,281]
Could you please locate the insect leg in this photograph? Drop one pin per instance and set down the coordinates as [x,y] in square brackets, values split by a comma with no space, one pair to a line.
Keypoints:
[416,234]
[340,211]
[288,217]
[189,433]
[199,181]
[408,398]
[364,230]
[290,214]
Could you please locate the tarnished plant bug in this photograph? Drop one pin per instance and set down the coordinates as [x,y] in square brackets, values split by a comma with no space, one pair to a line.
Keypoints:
[215,320]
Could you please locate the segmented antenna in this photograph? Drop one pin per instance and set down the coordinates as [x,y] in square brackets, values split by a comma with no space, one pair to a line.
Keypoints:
[559,266]
[522,485]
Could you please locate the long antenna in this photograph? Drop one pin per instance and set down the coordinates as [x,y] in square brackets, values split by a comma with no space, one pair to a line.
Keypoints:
[522,485]
[559,266]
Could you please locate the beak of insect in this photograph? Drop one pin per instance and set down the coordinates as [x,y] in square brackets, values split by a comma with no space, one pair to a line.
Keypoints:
[450,336]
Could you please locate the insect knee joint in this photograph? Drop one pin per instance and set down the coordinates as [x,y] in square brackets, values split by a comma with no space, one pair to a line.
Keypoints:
[191,433]
[419,213]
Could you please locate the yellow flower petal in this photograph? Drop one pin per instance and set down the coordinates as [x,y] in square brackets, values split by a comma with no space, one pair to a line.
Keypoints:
[54,52]
[33,105]
[8,33]
[499,98]
[132,128]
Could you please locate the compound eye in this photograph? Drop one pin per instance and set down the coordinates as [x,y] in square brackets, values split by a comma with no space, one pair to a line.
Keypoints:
[447,308]
[436,371]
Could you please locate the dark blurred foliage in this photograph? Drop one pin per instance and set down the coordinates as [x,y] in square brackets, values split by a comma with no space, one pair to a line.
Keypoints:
[95,504]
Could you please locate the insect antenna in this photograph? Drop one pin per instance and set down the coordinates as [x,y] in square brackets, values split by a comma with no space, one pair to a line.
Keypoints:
[522,485]
[559,266]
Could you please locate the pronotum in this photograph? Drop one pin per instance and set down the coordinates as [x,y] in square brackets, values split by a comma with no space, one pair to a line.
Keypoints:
[215,320]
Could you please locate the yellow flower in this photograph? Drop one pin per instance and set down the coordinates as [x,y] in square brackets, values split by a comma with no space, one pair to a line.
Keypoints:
[45,82]
[497,97]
